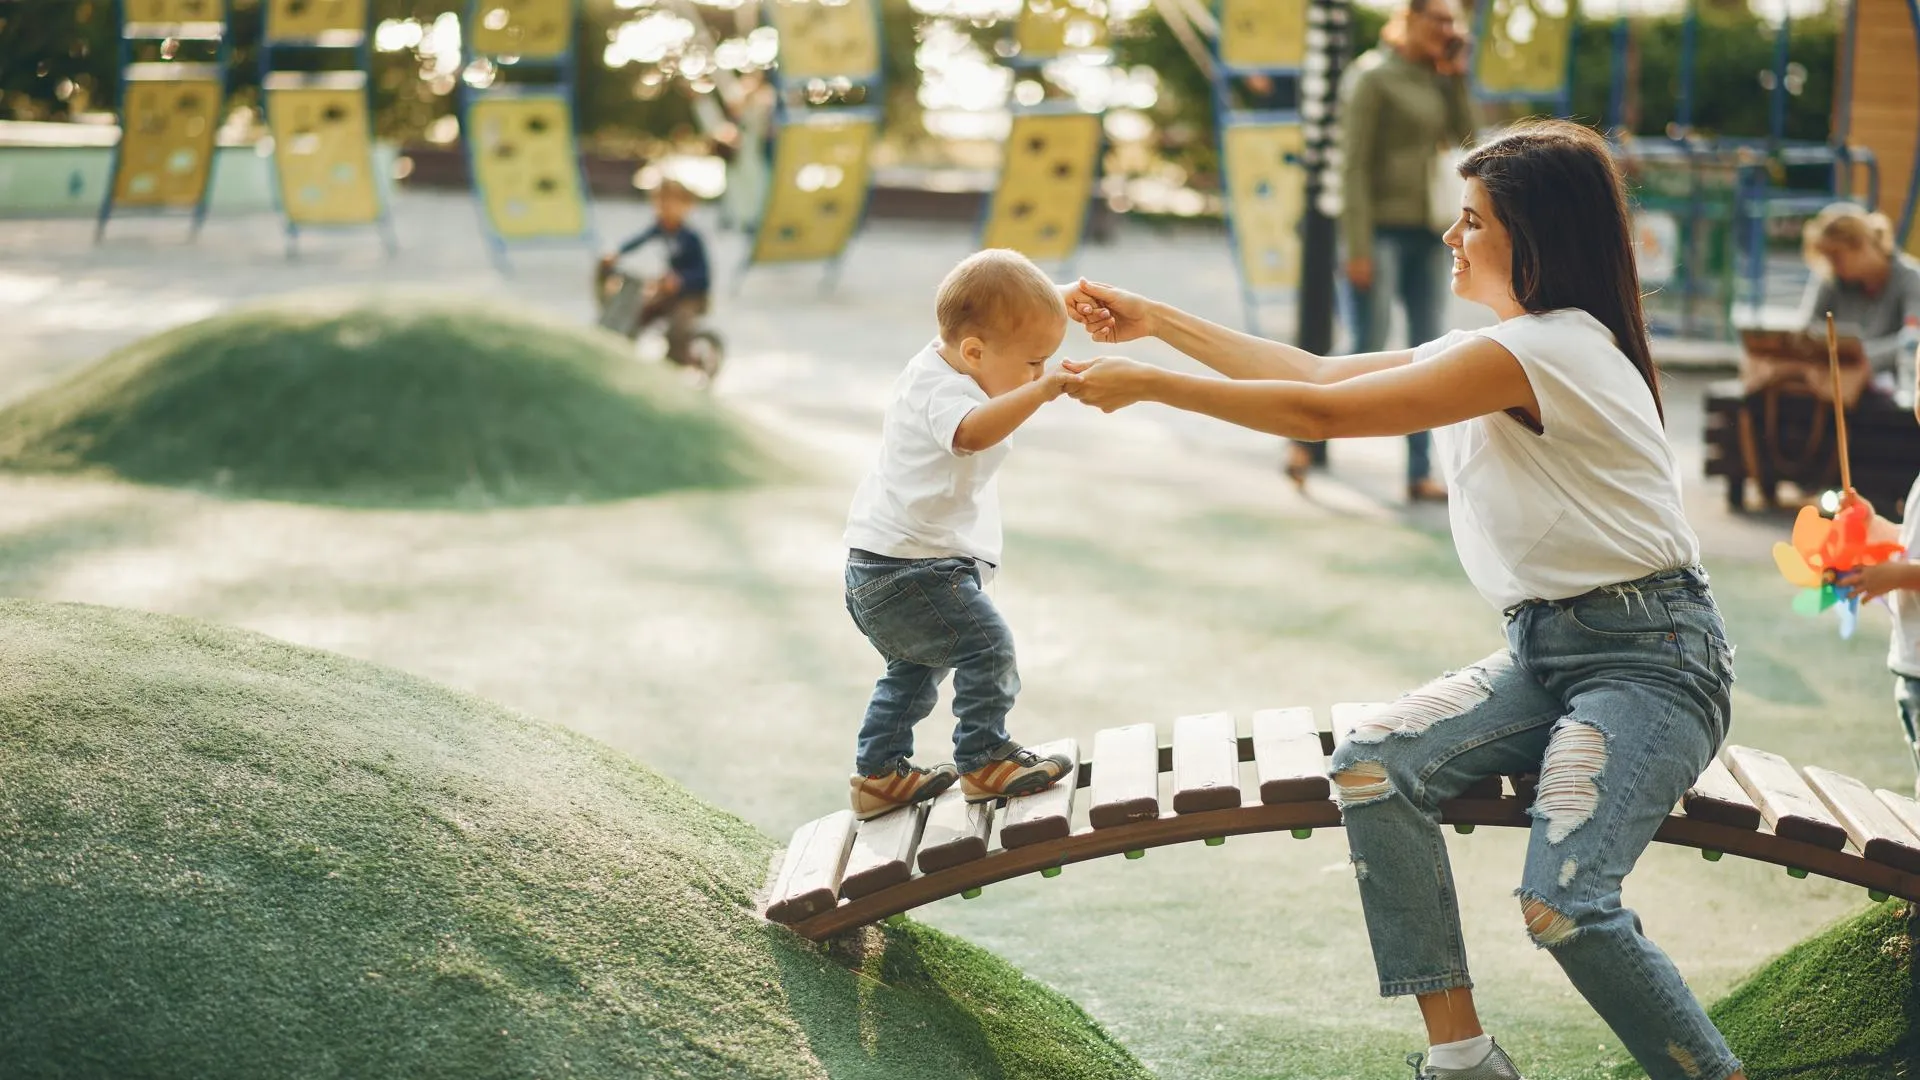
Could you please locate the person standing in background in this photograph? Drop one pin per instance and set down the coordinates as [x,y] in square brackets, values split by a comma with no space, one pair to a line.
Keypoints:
[1401,104]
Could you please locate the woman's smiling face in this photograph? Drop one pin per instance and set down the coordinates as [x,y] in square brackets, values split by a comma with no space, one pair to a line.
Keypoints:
[1482,252]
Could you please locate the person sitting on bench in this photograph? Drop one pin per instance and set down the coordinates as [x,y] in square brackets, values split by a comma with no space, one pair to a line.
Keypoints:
[1872,289]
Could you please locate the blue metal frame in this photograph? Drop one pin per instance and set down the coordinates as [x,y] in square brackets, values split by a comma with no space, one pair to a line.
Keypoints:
[1689,59]
[1562,101]
[562,86]
[363,57]
[874,84]
[125,56]
[1251,299]
[1617,83]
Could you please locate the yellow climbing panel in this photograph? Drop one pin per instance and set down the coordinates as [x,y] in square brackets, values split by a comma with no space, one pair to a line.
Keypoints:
[1046,182]
[529,29]
[526,166]
[818,189]
[307,20]
[172,11]
[1524,49]
[821,40]
[1266,195]
[168,114]
[1049,28]
[1263,33]
[322,154]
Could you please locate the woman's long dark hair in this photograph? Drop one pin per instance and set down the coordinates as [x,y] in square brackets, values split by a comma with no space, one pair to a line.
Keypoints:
[1556,188]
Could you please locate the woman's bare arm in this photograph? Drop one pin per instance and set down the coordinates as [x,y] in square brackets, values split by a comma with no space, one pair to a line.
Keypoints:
[1111,314]
[1243,356]
[1474,378]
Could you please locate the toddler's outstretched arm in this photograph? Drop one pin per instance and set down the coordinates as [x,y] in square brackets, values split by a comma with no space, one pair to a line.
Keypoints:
[988,424]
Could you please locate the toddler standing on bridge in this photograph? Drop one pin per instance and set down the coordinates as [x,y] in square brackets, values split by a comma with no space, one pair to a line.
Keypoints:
[924,538]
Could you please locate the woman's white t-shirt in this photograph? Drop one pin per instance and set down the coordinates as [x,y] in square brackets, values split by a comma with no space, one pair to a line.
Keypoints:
[1592,500]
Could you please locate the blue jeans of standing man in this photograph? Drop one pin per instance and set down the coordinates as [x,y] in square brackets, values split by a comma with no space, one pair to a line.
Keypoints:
[928,617]
[1412,264]
[1618,700]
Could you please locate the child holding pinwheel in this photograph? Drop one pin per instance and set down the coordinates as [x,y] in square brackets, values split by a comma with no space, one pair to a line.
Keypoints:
[1899,581]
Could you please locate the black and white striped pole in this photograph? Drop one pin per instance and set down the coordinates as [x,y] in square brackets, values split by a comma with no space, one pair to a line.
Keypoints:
[1327,36]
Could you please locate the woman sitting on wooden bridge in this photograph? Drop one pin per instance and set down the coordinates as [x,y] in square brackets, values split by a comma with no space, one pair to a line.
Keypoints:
[1567,516]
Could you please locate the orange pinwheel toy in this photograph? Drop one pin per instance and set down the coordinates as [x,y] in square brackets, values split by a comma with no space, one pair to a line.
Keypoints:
[1821,551]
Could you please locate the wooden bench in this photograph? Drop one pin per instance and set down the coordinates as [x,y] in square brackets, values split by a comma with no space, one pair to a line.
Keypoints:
[1884,445]
[838,874]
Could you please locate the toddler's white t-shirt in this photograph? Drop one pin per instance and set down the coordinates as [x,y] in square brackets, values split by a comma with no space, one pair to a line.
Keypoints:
[1592,500]
[1903,654]
[923,499]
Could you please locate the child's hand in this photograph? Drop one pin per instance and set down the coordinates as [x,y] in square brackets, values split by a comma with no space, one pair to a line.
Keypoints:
[1059,382]
[1875,581]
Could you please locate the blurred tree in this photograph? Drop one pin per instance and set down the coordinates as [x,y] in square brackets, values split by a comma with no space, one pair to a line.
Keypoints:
[1732,78]
[59,58]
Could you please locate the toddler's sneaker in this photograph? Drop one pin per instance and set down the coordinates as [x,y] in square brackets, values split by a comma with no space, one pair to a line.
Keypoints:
[1014,770]
[905,785]
[1497,1066]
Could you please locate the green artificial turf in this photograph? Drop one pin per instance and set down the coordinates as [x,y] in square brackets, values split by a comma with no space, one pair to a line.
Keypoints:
[225,856]
[404,401]
[1839,1006]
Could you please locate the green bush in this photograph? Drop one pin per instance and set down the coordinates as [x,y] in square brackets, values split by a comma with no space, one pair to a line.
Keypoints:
[402,401]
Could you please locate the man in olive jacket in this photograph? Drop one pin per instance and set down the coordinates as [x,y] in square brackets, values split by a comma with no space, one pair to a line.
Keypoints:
[1401,104]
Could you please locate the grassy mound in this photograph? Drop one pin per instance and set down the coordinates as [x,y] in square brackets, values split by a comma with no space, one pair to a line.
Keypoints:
[1841,1005]
[407,401]
[221,855]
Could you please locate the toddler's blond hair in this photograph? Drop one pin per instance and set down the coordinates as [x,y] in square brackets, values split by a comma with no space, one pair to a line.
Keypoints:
[991,293]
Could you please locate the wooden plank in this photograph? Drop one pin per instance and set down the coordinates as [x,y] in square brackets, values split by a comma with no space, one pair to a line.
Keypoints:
[956,831]
[1043,815]
[1903,807]
[882,852]
[1787,804]
[1876,831]
[1717,797]
[1206,763]
[1288,758]
[810,875]
[1126,776]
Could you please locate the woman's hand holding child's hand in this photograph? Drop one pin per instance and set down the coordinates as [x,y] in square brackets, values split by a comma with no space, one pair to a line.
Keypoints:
[1109,314]
[1110,382]
[1060,381]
